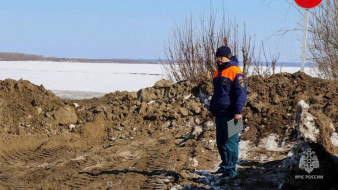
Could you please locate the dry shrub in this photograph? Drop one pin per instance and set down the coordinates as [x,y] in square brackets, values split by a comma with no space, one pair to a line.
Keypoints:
[267,67]
[323,44]
[190,52]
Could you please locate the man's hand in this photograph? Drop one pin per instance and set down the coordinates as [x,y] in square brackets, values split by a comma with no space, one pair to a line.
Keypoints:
[238,117]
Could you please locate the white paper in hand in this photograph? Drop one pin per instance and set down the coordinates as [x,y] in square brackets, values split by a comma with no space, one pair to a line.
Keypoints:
[234,128]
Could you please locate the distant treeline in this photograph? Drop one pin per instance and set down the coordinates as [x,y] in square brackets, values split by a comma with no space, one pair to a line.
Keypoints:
[9,56]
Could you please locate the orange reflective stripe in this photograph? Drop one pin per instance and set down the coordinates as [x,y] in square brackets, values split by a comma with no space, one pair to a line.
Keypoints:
[231,72]
[216,73]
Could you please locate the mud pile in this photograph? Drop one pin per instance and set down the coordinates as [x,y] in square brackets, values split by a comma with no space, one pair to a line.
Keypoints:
[29,109]
[274,119]
[162,137]
[272,106]
[167,109]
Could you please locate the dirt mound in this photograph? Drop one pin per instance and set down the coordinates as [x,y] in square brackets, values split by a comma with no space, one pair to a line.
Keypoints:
[162,137]
[179,108]
[29,109]
[150,111]
[272,105]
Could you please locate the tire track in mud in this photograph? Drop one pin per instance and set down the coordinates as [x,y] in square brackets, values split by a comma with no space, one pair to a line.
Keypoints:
[152,164]
[95,173]
[30,155]
[158,176]
[91,171]
[9,179]
[146,172]
[81,181]
[12,165]
[10,158]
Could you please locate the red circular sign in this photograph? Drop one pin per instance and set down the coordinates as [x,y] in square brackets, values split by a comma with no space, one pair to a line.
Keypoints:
[308,4]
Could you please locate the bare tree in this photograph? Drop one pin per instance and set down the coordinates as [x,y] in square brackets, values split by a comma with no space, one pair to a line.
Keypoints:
[191,49]
[267,67]
[248,51]
[323,40]
[258,66]
[323,46]
[270,60]
[190,52]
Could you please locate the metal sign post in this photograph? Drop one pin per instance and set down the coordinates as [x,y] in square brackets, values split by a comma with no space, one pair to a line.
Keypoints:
[306,21]
[306,4]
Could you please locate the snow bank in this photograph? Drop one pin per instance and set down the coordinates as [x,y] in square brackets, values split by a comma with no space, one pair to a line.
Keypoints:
[306,122]
[270,143]
[334,139]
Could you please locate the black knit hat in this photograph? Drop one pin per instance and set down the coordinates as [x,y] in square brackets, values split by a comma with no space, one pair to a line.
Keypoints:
[224,51]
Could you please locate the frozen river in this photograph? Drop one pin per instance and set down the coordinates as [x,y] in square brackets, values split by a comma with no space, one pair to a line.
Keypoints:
[85,80]
[73,78]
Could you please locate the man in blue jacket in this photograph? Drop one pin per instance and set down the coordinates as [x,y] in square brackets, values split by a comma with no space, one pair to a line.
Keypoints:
[227,102]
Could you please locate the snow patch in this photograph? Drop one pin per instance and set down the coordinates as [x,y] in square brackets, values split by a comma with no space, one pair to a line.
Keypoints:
[211,144]
[197,131]
[79,158]
[246,129]
[303,105]
[151,102]
[306,122]
[71,127]
[244,147]
[76,105]
[334,139]
[270,143]
[193,161]
[176,187]
[309,129]
[187,97]
[209,124]
[332,127]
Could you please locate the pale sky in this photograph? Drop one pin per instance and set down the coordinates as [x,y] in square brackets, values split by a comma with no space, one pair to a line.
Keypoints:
[133,29]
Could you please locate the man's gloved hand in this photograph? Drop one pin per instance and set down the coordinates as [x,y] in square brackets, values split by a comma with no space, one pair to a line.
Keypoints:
[238,117]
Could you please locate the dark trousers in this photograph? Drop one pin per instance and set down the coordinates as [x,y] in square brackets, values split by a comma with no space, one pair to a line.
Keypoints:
[227,147]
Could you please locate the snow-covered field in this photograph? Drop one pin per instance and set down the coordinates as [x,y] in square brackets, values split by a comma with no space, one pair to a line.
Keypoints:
[66,77]
[85,80]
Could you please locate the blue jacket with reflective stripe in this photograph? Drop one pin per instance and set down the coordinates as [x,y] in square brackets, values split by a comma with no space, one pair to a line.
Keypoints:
[230,90]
